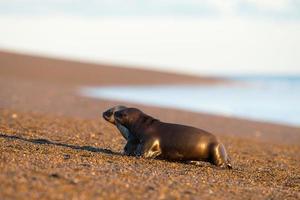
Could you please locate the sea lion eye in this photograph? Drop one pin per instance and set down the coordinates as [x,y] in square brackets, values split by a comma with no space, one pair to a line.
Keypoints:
[120,114]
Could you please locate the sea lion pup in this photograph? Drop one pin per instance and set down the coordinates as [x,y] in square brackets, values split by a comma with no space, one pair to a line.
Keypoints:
[132,142]
[171,141]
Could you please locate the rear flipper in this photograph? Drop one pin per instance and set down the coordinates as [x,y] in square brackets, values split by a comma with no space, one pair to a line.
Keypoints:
[219,156]
[149,149]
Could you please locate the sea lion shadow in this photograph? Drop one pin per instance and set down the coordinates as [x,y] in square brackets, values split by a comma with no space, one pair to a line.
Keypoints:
[42,141]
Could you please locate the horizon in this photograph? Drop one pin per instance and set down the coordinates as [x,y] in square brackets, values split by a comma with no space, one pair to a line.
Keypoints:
[201,38]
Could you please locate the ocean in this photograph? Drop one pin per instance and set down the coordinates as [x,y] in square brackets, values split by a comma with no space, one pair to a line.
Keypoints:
[263,98]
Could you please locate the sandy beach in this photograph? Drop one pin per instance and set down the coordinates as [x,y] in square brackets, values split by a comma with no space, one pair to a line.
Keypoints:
[55,145]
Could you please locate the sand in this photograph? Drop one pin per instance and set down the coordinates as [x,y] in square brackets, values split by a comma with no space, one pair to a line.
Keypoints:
[54,144]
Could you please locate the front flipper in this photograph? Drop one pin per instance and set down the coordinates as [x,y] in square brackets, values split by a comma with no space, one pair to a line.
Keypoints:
[149,149]
[131,146]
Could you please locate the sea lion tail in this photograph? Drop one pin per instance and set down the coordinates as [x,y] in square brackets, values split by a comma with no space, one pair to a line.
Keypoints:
[228,163]
[227,160]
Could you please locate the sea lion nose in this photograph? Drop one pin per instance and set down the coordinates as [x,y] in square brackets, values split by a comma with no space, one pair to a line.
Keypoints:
[106,114]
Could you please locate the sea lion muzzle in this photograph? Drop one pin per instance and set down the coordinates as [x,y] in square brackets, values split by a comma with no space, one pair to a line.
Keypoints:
[107,115]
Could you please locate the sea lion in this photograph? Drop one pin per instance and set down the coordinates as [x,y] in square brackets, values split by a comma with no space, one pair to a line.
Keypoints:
[132,142]
[171,141]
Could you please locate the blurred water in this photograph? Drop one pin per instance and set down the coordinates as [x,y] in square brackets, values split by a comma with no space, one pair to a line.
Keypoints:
[265,98]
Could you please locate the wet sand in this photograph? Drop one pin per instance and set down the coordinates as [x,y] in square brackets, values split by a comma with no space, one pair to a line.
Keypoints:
[54,144]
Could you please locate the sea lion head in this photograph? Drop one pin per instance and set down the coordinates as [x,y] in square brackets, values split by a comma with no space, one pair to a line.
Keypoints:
[109,114]
[128,116]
